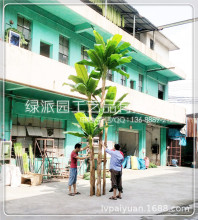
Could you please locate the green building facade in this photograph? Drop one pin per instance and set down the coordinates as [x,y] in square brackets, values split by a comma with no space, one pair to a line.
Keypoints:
[61,34]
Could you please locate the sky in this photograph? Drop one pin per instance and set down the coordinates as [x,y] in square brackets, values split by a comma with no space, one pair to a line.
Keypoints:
[180,92]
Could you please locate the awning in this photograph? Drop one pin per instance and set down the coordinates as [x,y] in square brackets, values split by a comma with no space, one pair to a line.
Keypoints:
[34,131]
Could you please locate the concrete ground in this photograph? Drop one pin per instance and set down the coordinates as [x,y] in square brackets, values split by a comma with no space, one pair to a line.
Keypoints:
[159,191]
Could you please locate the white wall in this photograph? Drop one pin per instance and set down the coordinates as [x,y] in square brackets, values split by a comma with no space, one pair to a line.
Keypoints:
[159,48]
[49,74]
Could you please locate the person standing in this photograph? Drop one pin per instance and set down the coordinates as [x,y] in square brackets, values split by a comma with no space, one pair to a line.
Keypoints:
[116,170]
[73,168]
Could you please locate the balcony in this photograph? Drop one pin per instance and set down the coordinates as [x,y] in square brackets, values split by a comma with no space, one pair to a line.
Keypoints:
[27,68]
[84,18]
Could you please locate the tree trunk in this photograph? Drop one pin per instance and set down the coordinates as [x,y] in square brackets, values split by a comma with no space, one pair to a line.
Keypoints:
[98,193]
[92,161]
[92,169]
[99,162]
[104,163]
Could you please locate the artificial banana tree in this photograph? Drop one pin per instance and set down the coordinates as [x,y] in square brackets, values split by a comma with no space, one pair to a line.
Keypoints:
[86,84]
[105,57]
[113,108]
[90,128]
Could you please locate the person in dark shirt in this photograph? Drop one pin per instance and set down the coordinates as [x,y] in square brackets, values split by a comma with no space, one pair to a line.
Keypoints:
[73,168]
[116,170]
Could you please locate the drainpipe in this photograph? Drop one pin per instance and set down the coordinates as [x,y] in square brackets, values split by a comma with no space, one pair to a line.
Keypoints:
[153,40]
[134,26]
[105,8]
[11,113]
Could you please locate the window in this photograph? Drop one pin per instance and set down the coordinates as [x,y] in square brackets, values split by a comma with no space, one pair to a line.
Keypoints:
[63,49]
[24,26]
[160,91]
[110,75]
[151,44]
[84,54]
[44,49]
[123,78]
[140,83]
[132,84]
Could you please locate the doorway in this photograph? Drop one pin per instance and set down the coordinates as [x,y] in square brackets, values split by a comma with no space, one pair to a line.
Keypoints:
[129,142]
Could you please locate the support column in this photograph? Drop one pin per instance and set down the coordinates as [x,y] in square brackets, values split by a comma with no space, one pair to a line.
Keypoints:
[163,146]
[142,142]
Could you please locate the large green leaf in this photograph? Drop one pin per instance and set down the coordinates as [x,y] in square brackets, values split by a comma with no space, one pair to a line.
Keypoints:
[74,133]
[99,38]
[122,72]
[81,88]
[87,63]
[89,127]
[100,50]
[121,98]
[124,60]
[92,84]
[98,118]
[115,57]
[112,65]
[116,39]
[111,95]
[75,79]
[81,72]
[121,106]
[124,52]
[110,49]
[95,58]
[82,119]
[124,46]
[95,74]
[99,91]
[68,84]
[112,44]
[77,125]
[97,131]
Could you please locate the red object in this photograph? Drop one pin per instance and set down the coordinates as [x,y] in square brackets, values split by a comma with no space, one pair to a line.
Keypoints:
[120,152]
[146,162]
[73,159]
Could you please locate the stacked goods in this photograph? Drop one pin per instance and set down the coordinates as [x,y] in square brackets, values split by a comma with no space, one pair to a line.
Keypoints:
[31,156]
[142,164]
[146,162]
[21,158]
[18,156]
[25,163]
[124,162]
[128,165]
[134,163]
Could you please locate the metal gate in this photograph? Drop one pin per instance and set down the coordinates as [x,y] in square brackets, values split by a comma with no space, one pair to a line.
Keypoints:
[174,151]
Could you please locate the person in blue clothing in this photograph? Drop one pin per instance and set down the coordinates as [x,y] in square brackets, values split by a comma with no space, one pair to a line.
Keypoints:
[116,170]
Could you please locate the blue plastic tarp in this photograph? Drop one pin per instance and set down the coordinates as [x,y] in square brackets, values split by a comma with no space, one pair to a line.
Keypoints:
[124,163]
[175,134]
[128,166]
[142,164]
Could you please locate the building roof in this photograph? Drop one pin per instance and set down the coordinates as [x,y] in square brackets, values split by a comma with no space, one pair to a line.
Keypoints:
[192,115]
[142,24]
